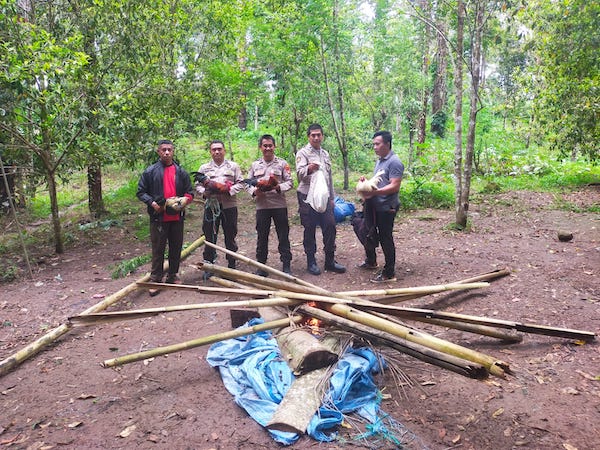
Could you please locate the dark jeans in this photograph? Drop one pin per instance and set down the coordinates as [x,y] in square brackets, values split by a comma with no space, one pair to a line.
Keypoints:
[310,219]
[279,216]
[384,222]
[162,233]
[228,219]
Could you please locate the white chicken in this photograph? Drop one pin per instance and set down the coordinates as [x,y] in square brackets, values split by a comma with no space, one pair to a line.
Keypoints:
[369,185]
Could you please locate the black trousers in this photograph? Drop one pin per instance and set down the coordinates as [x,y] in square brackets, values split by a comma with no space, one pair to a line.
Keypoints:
[279,216]
[310,219]
[228,219]
[162,233]
[384,222]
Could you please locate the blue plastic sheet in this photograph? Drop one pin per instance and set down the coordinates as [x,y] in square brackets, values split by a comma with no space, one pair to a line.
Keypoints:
[255,373]
[342,209]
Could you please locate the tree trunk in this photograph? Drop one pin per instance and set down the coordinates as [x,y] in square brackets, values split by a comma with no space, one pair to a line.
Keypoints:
[461,214]
[425,63]
[58,240]
[439,96]
[339,125]
[473,107]
[94,180]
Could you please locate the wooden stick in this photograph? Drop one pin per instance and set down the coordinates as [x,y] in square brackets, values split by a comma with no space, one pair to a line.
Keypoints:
[35,347]
[238,332]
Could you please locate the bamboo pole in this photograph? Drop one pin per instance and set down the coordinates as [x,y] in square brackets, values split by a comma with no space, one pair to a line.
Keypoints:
[428,355]
[494,366]
[419,313]
[35,347]
[113,316]
[238,332]
[489,276]
[239,256]
[245,291]
[484,330]
[418,291]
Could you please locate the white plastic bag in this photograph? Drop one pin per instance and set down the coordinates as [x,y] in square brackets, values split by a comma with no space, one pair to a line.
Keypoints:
[318,192]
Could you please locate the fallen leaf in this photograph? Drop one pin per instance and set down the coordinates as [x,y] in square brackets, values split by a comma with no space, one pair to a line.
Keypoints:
[98,296]
[442,433]
[498,412]
[75,424]
[127,431]
[456,440]
[588,376]
[570,390]
[86,396]
[568,446]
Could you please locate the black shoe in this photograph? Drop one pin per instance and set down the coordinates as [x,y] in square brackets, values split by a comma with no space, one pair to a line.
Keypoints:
[312,268]
[231,264]
[367,265]
[207,276]
[262,273]
[382,278]
[335,267]
[287,269]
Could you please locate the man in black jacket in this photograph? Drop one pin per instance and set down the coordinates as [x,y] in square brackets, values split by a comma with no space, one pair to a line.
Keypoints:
[166,189]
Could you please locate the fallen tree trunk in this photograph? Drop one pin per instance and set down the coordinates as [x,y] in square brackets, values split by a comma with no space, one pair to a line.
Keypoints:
[35,347]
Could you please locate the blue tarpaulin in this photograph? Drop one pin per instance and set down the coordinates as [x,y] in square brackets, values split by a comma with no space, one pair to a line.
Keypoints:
[255,373]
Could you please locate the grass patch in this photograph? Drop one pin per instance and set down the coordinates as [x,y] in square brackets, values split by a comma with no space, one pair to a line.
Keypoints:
[128,266]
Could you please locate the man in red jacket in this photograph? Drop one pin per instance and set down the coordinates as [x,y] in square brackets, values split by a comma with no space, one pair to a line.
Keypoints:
[166,189]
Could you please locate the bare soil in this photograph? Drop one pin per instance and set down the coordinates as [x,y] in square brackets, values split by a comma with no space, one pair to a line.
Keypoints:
[63,398]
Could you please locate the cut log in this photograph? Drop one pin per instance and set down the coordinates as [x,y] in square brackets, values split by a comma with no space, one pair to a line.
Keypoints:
[301,401]
[303,351]
[305,395]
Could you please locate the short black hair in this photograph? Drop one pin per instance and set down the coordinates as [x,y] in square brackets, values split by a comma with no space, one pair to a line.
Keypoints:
[267,137]
[313,127]
[216,141]
[385,135]
[164,141]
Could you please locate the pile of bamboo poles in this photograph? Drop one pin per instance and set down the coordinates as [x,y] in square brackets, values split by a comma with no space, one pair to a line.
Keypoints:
[366,313]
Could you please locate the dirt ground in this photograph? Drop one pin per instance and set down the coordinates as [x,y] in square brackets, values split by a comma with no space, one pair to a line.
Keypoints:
[63,398]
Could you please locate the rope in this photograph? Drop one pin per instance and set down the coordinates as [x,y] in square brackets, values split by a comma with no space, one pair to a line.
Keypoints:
[213,206]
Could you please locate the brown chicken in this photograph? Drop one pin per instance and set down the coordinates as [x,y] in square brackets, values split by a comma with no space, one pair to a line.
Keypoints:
[263,184]
[212,186]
